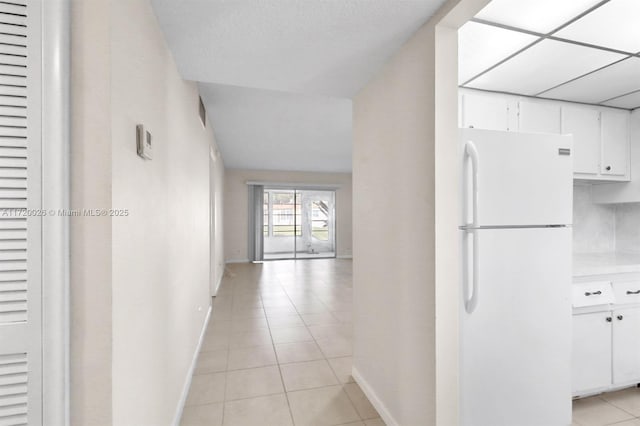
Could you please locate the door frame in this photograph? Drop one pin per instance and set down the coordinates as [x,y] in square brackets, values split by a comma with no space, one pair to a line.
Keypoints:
[55,127]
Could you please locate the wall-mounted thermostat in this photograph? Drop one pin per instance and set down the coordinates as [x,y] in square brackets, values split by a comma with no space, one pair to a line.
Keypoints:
[143,142]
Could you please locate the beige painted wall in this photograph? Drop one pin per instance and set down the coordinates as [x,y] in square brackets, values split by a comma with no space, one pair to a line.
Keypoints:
[406,289]
[237,206]
[141,284]
[90,238]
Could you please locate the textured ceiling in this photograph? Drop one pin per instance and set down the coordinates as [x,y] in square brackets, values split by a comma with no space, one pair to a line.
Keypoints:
[269,130]
[585,51]
[272,72]
[329,47]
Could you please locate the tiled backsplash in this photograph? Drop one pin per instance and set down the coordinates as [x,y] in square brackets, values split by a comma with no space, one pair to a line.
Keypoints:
[628,227]
[594,225]
[601,228]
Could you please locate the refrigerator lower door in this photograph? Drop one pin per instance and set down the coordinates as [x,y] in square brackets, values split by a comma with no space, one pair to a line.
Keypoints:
[516,344]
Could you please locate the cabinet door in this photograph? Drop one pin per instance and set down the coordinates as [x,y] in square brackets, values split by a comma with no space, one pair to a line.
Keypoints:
[535,117]
[591,352]
[615,143]
[584,125]
[626,346]
[480,111]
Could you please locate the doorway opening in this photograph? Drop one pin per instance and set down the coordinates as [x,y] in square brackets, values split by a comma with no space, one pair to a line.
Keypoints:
[298,224]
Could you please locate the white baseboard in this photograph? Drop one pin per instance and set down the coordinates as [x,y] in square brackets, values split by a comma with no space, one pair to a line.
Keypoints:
[237,261]
[345,256]
[373,398]
[215,291]
[192,367]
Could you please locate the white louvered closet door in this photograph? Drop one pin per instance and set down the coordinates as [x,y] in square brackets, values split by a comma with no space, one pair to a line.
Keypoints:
[20,220]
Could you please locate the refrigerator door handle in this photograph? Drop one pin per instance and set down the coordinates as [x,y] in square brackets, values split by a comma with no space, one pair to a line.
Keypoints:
[471,295]
[470,292]
[471,152]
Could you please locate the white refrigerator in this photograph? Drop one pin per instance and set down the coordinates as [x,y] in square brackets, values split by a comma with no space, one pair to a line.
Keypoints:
[515,349]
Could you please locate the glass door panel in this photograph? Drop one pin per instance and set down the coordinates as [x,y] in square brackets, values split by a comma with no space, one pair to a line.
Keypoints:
[298,224]
[281,224]
[317,213]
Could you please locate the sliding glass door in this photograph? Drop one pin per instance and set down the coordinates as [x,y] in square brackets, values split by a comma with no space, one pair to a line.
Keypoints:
[298,223]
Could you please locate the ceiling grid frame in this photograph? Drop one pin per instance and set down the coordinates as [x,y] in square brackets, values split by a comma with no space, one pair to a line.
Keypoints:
[551,35]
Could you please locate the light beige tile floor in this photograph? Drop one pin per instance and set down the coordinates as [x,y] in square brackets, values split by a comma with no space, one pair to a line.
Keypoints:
[621,408]
[277,350]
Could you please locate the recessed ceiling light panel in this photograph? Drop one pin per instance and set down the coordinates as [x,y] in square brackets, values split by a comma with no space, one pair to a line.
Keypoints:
[613,25]
[615,80]
[541,16]
[543,66]
[481,46]
[630,101]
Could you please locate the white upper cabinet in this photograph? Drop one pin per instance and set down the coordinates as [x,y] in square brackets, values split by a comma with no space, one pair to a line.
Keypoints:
[615,143]
[538,117]
[601,135]
[584,125]
[485,111]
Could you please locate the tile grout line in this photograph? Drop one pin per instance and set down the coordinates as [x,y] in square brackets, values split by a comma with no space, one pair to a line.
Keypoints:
[326,360]
[273,345]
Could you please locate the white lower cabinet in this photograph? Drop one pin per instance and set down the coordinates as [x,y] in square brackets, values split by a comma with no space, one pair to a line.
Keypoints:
[591,352]
[626,346]
[606,350]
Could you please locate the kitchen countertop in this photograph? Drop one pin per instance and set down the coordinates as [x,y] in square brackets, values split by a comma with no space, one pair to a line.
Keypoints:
[605,263]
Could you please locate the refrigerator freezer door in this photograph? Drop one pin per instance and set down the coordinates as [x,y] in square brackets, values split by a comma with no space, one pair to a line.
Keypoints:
[523,179]
[516,344]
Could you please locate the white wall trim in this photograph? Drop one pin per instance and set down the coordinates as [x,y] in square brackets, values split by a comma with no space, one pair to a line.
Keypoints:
[192,367]
[345,256]
[56,46]
[373,398]
[237,261]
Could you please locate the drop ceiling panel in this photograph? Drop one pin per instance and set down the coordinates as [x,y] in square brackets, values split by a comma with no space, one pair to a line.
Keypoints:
[482,46]
[541,16]
[615,80]
[630,101]
[543,66]
[613,25]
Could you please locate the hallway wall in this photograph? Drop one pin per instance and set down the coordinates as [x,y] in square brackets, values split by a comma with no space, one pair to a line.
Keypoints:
[406,290]
[236,216]
[153,283]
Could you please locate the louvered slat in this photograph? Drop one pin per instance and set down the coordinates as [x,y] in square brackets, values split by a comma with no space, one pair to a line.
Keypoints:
[12,183]
[13,296]
[12,245]
[13,172]
[13,265]
[14,399]
[12,101]
[12,276]
[8,390]
[12,19]
[13,222]
[13,286]
[14,71]
[15,31]
[13,233]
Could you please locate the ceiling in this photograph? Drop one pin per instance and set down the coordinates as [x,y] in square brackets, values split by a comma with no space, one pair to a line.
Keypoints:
[583,51]
[269,130]
[319,47]
[277,76]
